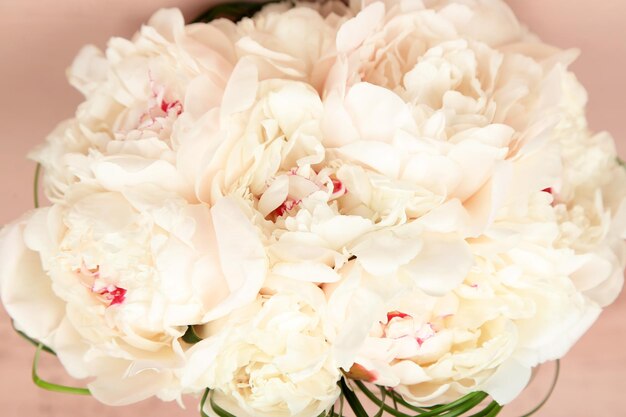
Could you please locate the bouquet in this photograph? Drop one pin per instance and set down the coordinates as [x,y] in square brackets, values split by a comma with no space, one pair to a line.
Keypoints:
[398,199]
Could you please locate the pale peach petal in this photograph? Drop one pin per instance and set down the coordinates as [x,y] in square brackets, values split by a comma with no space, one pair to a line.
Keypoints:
[431,269]
[508,381]
[242,256]
[355,31]
[241,90]
[25,288]
[377,112]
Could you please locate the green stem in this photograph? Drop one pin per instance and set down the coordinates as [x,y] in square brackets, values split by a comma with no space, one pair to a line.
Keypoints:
[234,11]
[352,399]
[492,410]
[550,391]
[191,336]
[31,340]
[36,185]
[373,398]
[398,398]
[202,402]
[218,410]
[383,395]
[50,386]
[455,408]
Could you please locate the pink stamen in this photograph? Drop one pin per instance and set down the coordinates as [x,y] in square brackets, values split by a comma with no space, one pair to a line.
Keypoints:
[285,207]
[393,314]
[429,333]
[115,295]
[338,188]
[167,106]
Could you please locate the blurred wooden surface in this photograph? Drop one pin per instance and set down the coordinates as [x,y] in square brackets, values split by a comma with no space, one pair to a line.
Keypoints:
[38,40]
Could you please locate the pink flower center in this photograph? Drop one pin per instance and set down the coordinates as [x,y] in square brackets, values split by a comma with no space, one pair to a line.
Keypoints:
[113,294]
[338,188]
[425,333]
[285,207]
[166,106]
[393,314]
[109,293]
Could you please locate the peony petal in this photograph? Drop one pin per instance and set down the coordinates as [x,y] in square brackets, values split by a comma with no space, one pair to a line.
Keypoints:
[353,32]
[118,172]
[115,387]
[307,271]
[379,156]
[203,94]
[507,382]
[242,256]
[25,289]
[442,264]
[383,252]
[410,373]
[241,90]
[274,196]
[377,112]
[88,70]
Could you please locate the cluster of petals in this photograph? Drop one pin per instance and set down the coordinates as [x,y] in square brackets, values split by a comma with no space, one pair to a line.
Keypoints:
[401,192]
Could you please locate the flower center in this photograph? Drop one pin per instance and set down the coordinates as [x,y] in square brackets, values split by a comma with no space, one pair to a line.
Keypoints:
[106,292]
[112,294]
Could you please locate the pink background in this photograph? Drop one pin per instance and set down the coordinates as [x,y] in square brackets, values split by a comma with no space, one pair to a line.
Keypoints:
[39,38]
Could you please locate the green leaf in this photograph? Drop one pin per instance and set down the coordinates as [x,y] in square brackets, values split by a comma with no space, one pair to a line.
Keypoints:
[492,410]
[399,400]
[474,397]
[234,11]
[191,336]
[464,407]
[331,412]
[557,370]
[202,402]
[32,341]
[352,399]
[369,394]
[453,409]
[393,399]
[383,395]
[50,386]
[36,186]
[218,410]
[621,162]
[341,400]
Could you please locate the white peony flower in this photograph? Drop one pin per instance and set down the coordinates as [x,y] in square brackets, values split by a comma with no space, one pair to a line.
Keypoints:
[135,95]
[589,200]
[123,275]
[272,358]
[516,306]
[451,114]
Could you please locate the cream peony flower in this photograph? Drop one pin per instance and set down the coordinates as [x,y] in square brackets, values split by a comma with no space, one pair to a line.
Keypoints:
[589,200]
[492,126]
[123,275]
[272,358]
[136,95]
[448,113]
[517,306]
